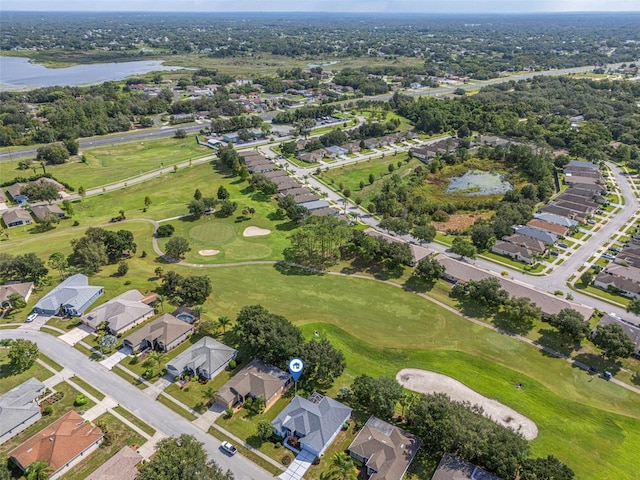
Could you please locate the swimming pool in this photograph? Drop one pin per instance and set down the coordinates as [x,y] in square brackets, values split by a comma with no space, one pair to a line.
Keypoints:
[185,317]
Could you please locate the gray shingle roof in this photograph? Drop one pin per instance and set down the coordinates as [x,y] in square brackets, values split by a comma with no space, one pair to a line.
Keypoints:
[74,291]
[546,237]
[17,405]
[318,422]
[207,353]
[119,312]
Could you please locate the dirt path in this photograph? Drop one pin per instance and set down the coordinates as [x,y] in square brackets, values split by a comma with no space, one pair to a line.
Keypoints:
[423,381]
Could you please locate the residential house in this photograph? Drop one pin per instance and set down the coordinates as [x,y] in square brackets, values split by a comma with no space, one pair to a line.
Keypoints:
[261,167]
[305,198]
[385,450]
[295,192]
[626,287]
[14,192]
[59,444]
[461,272]
[312,157]
[493,141]
[164,334]
[120,313]
[41,211]
[557,219]
[284,184]
[326,212]
[579,199]
[15,217]
[206,358]
[630,273]
[311,425]
[24,289]
[563,212]
[19,408]
[315,205]
[511,250]
[626,259]
[72,296]
[633,331]
[352,147]
[336,151]
[425,154]
[542,235]
[231,137]
[536,246]
[122,466]
[455,468]
[575,180]
[582,165]
[580,208]
[275,174]
[549,227]
[257,379]
[371,143]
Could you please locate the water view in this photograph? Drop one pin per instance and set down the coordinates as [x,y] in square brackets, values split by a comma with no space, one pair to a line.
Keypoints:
[476,182]
[18,73]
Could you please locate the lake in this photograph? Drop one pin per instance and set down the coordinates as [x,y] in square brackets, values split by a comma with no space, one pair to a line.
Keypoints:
[18,73]
[476,182]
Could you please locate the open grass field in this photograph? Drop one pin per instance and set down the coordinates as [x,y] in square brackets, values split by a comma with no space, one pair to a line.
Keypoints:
[10,379]
[122,436]
[106,165]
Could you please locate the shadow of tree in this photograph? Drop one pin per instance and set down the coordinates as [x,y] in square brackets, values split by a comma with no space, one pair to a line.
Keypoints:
[598,361]
[416,284]
[512,326]
[552,339]
[286,226]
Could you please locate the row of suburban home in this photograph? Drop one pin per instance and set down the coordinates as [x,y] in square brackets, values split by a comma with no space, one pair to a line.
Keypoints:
[427,153]
[335,151]
[16,217]
[14,191]
[260,165]
[461,272]
[556,219]
[623,274]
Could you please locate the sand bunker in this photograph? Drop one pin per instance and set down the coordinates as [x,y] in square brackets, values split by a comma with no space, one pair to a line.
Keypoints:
[208,253]
[423,381]
[255,232]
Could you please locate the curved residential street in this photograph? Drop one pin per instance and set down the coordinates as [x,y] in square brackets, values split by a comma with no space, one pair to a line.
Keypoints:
[133,399]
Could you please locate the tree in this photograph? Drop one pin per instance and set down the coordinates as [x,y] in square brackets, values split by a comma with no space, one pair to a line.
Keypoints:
[571,324]
[376,396]
[343,467]
[82,192]
[107,342]
[323,364]
[263,184]
[16,302]
[38,471]
[54,154]
[123,268]
[156,358]
[521,314]
[5,473]
[482,235]
[267,336]
[549,468]
[88,255]
[180,133]
[67,206]
[586,278]
[634,306]
[40,190]
[147,202]
[227,208]
[487,292]
[224,322]
[47,222]
[372,178]
[463,247]
[165,230]
[264,430]
[424,233]
[181,458]
[223,193]
[22,354]
[197,195]
[72,146]
[429,269]
[613,340]
[25,267]
[194,290]
[196,208]
[177,246]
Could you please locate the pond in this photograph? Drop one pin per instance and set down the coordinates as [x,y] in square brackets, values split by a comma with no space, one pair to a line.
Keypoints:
[18,73]
[476,182]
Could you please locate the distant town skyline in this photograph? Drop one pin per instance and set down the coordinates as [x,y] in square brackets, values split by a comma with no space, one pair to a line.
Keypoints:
[364,6]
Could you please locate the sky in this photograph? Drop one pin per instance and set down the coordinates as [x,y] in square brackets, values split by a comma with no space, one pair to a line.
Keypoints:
[369,6]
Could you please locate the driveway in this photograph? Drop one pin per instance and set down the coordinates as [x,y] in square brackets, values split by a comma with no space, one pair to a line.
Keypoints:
[114,359]
[298,467]
[36,324]
[75,335]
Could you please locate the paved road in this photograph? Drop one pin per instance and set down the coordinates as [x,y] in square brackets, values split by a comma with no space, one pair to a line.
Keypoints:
[154,413]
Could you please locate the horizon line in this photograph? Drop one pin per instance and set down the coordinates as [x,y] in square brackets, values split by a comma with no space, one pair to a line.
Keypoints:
[407,12]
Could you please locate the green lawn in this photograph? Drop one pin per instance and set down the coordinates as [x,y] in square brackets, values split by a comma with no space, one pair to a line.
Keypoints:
[106,165]
[88,388]
[135,420]
[122,436]
[10,379]
[176,408]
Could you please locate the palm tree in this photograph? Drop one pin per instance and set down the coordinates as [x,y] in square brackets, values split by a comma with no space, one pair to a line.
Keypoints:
[343,467]
[39,471]
[156,357]
[223,322]
[161,299]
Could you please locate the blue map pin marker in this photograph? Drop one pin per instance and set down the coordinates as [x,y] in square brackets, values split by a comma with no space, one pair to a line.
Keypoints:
[296,365]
